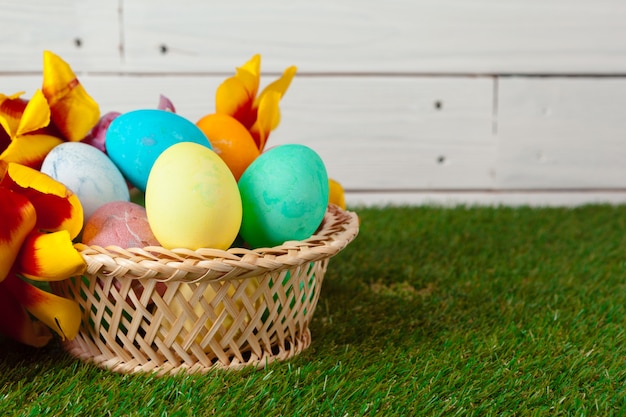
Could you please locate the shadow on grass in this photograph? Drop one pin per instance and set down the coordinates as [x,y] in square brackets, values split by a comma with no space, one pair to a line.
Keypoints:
[24,363]
[424,274]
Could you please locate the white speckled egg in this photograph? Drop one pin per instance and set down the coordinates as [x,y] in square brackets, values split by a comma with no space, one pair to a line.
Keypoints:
[192,199]
[88,172]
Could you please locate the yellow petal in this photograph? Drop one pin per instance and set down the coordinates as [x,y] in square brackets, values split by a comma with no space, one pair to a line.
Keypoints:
[16,323]
[268,117]
[17,219]
[30,150]
[253,66]
[49,257]
[74,112]
[58,313]
[36,114]
[280,85]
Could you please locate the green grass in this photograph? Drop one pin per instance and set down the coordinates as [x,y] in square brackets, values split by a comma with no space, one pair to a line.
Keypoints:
[431,311]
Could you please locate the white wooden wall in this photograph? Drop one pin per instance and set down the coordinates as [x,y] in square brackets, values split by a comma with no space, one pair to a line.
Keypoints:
[407,101]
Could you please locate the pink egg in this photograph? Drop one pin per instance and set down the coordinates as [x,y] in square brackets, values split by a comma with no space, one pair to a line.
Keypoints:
[123,224]
[119,223]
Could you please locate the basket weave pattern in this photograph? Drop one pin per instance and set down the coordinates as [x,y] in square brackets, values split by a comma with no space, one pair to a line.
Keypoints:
[170,311]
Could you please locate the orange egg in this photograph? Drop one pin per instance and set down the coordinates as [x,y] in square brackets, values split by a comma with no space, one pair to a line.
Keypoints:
[230,140]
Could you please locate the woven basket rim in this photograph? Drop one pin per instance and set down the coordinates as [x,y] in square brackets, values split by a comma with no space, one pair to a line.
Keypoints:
[338,228]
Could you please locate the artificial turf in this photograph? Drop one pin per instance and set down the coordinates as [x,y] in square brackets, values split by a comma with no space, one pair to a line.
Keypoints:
[430,311]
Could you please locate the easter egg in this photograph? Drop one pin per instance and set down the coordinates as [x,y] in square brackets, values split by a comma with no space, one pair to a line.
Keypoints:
[119,223]
[134,140]
[336,194]
[230,140]
[88,172]
[123,224]
[192,200]
[284,195]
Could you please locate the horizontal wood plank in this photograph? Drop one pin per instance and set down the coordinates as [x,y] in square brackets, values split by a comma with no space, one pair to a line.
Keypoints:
[396,133]
[364,36]
[549,198]
[561,133]
[325,36]
[85,33]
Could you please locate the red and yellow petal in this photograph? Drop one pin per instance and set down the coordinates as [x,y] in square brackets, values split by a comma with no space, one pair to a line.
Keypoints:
[60,314]
[11,110]
[5,140]
[250,80]
[233,98]
[49,257]
[73,111]
[56,206]
[267,120]
[17,219]
[30,150]
[17,324]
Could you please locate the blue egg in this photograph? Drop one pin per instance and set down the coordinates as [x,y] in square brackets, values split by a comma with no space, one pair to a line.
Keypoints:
[88,172]
[135,140]
[284,195]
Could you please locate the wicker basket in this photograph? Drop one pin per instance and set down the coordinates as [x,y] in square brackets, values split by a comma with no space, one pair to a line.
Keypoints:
[170,311]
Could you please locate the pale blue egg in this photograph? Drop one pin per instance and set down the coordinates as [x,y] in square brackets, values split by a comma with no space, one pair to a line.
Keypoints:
[284,194]
[134,140]
[88,172]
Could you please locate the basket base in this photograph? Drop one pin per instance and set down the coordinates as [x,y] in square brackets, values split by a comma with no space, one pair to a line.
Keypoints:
[81,350]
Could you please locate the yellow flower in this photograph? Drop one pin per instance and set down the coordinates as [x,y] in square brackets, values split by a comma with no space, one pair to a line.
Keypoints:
[237,97]
[39,217]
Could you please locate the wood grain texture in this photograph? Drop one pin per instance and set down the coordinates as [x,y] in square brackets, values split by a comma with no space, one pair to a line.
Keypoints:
[83,32]
[561,133]
[357,36]
[352,36]
[397,133]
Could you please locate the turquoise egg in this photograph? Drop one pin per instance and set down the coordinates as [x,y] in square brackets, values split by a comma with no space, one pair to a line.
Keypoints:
[134,140]
[284,195]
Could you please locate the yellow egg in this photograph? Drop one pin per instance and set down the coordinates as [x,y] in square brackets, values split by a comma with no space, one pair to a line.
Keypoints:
[336,193]
[192,199]
[243,316]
